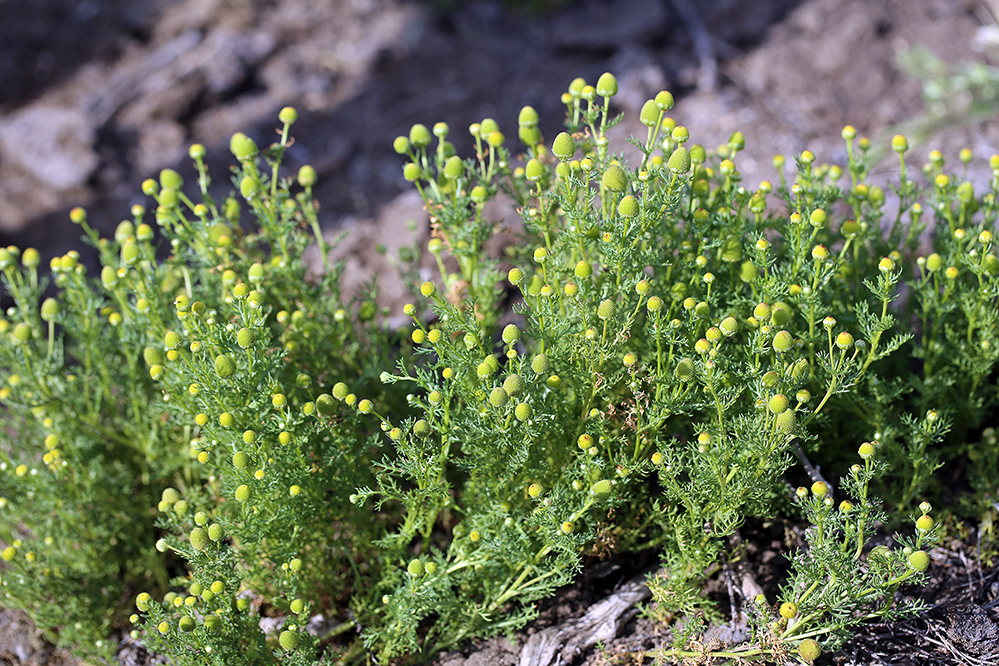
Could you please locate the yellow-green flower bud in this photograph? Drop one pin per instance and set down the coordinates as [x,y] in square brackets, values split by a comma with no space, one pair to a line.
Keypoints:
[729,326]
[606,309]
[649,115]
[225,367]
[109,277]
[199,538]
[412,172]
[685,370]
[788,610]
[736,141]
[664,100]
[602,489]
[245,338]
[514,385]
[498,397]
[809,650]
[731,249]
[563,147]
[487,127]
[783,342]
[307,176]
[614,179]
[527,117]
[495,138]
[679,161]
[170,179]
[249,187]
[242,147]
[50,309]
[325,405]
[786,421]
[419,135]
[919,560]
[454,168]
[540,364]
[991,263]
[288,115]
[77,215]
[844,340]
[606,85]
[535,170]
[130,253]
[628,207]
[288,640]
[781,314]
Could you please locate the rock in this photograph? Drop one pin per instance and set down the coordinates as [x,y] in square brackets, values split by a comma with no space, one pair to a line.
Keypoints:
[563,644]
[54,144]
[973,630]
[159,142]
[609,25]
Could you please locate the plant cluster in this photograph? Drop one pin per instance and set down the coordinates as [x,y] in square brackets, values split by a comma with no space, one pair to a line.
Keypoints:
[219,436]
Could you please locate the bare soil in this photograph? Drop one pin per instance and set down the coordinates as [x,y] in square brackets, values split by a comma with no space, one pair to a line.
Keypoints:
[96,95]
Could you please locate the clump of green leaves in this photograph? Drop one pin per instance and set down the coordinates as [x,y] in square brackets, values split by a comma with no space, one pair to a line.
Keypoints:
[677,341]
[954,94]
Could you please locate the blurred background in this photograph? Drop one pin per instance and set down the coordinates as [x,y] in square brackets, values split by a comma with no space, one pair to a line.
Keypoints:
[96,95]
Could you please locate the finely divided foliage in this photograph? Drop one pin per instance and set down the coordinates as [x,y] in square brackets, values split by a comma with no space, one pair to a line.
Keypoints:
[219,435]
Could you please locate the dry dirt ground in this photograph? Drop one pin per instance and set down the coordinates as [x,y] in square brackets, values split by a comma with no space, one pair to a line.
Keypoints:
[96,95]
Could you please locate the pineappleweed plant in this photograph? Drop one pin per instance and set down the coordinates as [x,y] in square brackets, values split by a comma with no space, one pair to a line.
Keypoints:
[675,344]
